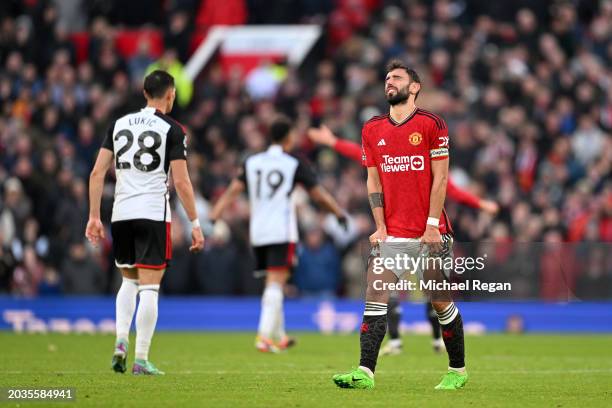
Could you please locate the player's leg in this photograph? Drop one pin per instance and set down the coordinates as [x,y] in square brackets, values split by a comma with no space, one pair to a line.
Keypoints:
[450,322]
[125,306]
[277,260]
[432,317]
[394,317]
[374,323]
[263,340]
[279,334]
[373,329]
[271,310]
[153,251]
[125,303]
[452,334]
[284,256]
[146,318]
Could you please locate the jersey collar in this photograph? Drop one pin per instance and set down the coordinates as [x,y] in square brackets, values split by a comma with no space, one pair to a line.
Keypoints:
[149,109]
[275,149]
[394,123]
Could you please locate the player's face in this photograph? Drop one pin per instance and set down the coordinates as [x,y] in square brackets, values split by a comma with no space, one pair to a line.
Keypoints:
[397,86]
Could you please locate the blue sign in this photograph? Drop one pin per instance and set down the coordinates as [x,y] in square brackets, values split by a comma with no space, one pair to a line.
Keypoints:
[96,314]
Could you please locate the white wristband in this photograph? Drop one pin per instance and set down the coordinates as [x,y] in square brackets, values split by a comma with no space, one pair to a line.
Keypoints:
[434,222]
[195,223]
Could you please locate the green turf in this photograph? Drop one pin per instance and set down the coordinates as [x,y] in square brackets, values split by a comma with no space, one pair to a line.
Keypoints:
[225,370]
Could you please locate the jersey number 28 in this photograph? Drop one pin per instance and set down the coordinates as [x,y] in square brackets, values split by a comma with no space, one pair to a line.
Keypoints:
[151,150]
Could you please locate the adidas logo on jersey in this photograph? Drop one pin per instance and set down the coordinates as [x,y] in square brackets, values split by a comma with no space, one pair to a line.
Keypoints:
[382,142]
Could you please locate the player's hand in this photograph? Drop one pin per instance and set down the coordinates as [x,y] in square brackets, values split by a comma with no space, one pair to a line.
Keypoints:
[94,231]
[379,236]
[322,136]
[489,206]
[197,240]
[432,239]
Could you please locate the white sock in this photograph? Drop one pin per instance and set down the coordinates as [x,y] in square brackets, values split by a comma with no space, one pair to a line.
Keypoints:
[271,302]
[367,371]
[279,324]
[146,318]
[395,342]
[125,305]
[458,370]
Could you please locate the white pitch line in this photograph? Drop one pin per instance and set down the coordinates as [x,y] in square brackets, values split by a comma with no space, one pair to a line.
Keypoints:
[326,372]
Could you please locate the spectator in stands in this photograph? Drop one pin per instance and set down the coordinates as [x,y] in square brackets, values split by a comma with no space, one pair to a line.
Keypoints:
[139,62]
[184,85]
[318,273]
[81,275]
[524,88]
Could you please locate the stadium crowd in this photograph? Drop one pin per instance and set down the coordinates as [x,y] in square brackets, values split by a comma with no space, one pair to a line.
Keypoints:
[525,88]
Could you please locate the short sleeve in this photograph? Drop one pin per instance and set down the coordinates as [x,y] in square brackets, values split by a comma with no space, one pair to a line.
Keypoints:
[305,175]
[438,141]
[107,143]
[177,143]
[367,157]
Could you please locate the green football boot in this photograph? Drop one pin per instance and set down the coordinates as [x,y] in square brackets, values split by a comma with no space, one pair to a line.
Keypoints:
[452,380]
[354,379]
[145,367]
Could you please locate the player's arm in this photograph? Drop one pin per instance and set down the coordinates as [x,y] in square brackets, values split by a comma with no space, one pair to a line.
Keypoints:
[439,171]
[95,229]
[348,149]
[236,187]
[306,177]
[325,200]
[375,189]
[184,190]
[466,198]
[324,136]
[461,196]
[439,159]
[177,154]
[377,204]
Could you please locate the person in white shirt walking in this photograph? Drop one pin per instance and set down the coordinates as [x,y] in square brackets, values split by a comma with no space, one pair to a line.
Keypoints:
[270,178]
[144,147]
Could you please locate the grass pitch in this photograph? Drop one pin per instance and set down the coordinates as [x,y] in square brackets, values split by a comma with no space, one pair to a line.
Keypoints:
[223,369]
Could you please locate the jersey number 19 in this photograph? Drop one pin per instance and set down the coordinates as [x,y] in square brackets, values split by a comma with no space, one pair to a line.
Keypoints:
[274,180]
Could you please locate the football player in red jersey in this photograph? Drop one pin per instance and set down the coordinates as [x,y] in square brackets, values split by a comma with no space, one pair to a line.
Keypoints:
[406,153]
[347,148]
[352,150]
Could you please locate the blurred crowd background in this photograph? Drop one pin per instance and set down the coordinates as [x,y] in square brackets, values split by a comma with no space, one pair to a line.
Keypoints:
[525,87]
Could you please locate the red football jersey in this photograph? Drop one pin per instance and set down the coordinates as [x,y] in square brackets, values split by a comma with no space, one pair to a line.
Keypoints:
[403,152]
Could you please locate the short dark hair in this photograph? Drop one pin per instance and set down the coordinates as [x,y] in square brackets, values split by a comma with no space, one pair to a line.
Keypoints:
[157,83]
[399,64]
[280,129]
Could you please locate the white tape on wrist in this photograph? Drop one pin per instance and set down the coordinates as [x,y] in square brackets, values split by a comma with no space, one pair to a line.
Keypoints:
[434,222]
[195,223]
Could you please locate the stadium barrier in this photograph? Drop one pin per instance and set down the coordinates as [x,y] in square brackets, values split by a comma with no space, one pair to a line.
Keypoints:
[96,315]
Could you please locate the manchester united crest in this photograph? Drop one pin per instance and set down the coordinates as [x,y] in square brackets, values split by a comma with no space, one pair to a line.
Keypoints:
[415,138]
